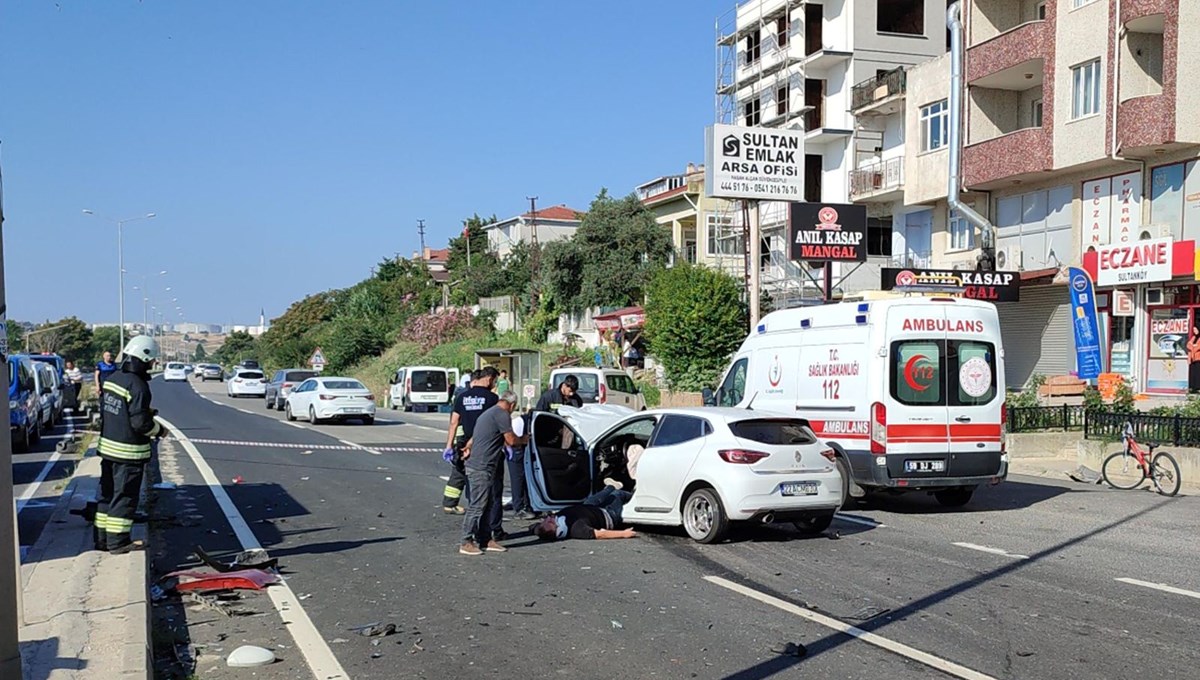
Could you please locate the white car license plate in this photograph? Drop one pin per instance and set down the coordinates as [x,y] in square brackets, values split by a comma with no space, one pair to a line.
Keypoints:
[352,409]
[800,489]
[924,466]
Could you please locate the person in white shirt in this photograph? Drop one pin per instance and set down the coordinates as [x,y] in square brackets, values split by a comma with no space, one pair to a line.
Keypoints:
[75,377]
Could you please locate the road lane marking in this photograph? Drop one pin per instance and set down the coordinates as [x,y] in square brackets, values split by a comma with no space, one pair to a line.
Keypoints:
[867,522]
[360,447]
[943,665]
[1161,586]
[320,658]
[444,478]
[990,550]
[343,446]
[30,490]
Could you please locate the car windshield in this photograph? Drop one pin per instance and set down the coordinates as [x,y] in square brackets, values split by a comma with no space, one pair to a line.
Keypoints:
[250,375]
[343,385]
[298,376]
[773,432]
[175,367]
[428,381]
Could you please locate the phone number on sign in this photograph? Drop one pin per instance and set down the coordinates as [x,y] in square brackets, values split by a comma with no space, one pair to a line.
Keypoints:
[758,188]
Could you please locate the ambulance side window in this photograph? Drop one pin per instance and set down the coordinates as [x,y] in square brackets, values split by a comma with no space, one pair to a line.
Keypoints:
[734,387]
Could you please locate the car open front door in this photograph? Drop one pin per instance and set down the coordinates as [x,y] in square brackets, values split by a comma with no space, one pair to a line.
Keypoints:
[558,465]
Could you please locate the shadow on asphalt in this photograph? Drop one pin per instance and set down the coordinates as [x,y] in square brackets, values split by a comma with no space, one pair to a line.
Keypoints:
[329,547]
[1005,496]
[833,641]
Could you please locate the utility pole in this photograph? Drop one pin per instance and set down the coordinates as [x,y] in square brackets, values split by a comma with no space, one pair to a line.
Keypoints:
[10,580]
[421,231]
[534,253]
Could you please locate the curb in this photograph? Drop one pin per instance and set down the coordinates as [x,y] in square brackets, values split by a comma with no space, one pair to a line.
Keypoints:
[86,614]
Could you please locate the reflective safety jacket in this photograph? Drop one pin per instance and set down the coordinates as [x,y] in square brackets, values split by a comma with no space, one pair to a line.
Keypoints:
[127,422]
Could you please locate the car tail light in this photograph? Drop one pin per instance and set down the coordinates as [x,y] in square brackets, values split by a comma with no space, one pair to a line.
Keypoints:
[371,397]
[603,393]
[829,455]
[878,429]
[408,386]
[741,456]
[287,386]
[328,397]
[1003,428]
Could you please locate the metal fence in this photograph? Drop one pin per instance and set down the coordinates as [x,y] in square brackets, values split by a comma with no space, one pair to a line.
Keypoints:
[1035,418]
[1173,430]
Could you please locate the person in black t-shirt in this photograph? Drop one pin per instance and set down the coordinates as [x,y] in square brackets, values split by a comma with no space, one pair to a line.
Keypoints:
[468,405]
[565,394]
[597,518]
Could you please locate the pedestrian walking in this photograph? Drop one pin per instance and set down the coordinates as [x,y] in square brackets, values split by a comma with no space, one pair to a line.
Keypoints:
[75,378]
[503,385]
[468,406]
[104,369]
[484,454]
[127,431]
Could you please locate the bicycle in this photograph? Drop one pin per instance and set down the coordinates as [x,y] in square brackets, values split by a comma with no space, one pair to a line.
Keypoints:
[1134,463]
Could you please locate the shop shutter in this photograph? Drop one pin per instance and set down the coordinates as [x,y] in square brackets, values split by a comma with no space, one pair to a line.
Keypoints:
[1037,335]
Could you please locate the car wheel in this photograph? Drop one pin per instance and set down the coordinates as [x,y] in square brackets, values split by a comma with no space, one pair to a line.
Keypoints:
[815,524]
[843,469]
[704,517]
[267,403]
[287,412]
[956,497]
[391,402]
[369,420]
[407,406]
[312,415]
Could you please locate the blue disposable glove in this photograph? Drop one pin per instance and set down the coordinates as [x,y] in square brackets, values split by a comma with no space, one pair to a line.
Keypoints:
[448,455]
[508,452]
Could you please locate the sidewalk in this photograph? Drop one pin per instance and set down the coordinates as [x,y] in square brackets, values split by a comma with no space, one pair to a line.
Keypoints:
[86,613]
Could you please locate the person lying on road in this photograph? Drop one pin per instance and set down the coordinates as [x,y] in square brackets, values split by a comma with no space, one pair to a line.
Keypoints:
[596,518]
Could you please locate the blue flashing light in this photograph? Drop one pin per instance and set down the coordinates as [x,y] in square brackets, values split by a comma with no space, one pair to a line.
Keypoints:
[805,323]
[860,319]
[762,328]
[864,307]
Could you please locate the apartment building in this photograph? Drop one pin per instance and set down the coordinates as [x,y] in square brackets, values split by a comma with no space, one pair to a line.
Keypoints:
[793,63]
[1076,150]
[703,229]
[555,223]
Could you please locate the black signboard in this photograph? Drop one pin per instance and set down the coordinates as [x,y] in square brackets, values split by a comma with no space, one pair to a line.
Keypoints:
[990,286]
[827,232]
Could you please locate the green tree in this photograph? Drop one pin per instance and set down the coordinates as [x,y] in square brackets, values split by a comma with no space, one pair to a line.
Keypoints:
[238,346]
[610,260]
[695,319]
[105,339]
[68,337]
[199,354]
[16,335]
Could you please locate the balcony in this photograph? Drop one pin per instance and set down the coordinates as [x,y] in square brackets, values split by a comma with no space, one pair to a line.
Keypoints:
[1008,158]
[879,182]
[1032,41]
[1133,10]
[913,260]
[820,63]
[1145,124]
[882,95]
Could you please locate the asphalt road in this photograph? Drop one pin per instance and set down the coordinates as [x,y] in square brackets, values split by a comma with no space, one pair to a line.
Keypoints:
[38,479]
[1024,583]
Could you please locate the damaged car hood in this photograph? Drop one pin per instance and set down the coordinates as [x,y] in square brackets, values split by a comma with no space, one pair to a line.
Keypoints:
[592,420]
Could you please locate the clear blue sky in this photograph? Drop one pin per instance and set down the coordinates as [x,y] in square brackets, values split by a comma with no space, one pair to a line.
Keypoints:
[287,146]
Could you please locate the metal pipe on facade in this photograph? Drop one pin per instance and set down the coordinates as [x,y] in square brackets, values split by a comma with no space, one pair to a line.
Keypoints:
[954,184]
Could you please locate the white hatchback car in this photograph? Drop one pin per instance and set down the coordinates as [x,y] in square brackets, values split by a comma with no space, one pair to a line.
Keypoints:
[701,468]
[246,383]
[320,399]
[175,371]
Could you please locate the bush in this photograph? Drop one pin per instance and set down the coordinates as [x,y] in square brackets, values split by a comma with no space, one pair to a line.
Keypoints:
[652,393]
[694,320]
[430,330]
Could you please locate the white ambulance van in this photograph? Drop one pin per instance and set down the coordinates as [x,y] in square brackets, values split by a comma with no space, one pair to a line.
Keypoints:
[908,391]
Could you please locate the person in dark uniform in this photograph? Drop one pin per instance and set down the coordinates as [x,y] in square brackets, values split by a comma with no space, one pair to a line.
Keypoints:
[468,405]
[127,430]
[565,395]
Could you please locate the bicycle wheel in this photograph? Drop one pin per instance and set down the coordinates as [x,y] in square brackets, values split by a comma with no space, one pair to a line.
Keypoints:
[1121,471]
[1164,471]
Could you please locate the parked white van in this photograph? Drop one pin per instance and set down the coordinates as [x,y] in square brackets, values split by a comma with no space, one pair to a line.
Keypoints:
[422,386]
[909,391]
[602,386]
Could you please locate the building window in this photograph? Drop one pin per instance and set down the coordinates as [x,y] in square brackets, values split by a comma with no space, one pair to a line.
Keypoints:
[935,119]
[722,235]
[1041,10]
[1076,4]
[753,111]
[901,16]
[1036,113]
[879,236]
[962,232]
[781,32]
[781,101]
[753,47]
[1085,89]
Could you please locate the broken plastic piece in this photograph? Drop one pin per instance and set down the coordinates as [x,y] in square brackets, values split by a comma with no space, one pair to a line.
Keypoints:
[377,629]
[256,558]
[246,579]
[249,656]
[792,649]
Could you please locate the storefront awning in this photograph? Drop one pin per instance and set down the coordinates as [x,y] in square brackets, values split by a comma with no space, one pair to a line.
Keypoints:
[629,318]
[1039,276]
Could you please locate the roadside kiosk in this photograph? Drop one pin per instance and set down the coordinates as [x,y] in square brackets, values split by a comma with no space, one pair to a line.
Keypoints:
[524,368]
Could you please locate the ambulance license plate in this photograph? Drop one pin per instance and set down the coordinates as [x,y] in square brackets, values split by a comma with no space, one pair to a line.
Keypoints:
[800,489]
[924,466]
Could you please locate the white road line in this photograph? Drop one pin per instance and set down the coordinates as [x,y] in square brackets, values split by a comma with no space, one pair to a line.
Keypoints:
[943,665]
[360,446]
[860,520]
[288,422]
[321,660]
[993,551]
[1161,586]
[37,482]
[444,478]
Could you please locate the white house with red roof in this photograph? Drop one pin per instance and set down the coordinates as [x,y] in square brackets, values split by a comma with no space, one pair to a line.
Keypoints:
[554,223]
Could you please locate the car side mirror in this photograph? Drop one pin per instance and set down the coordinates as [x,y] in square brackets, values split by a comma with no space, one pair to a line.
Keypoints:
[710,398]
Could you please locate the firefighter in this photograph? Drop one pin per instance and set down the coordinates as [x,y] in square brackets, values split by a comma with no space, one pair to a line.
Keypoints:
[468,405]
[126,432]
[566,394]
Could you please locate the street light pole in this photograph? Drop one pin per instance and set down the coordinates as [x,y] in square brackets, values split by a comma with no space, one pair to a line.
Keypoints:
[121,264]
[10,581]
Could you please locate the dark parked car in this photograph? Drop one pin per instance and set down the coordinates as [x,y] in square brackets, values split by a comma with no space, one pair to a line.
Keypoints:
[282,383]
[250,364]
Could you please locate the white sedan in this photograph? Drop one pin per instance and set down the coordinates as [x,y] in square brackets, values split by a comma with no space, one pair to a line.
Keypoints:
[175,371]
[701,468]
[320,399]
[246,383]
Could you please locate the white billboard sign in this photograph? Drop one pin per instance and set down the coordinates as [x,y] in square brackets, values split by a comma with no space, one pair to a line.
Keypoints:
[1138,262]
[754,163]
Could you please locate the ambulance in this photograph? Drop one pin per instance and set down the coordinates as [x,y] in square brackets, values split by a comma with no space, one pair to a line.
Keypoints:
[908,391]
